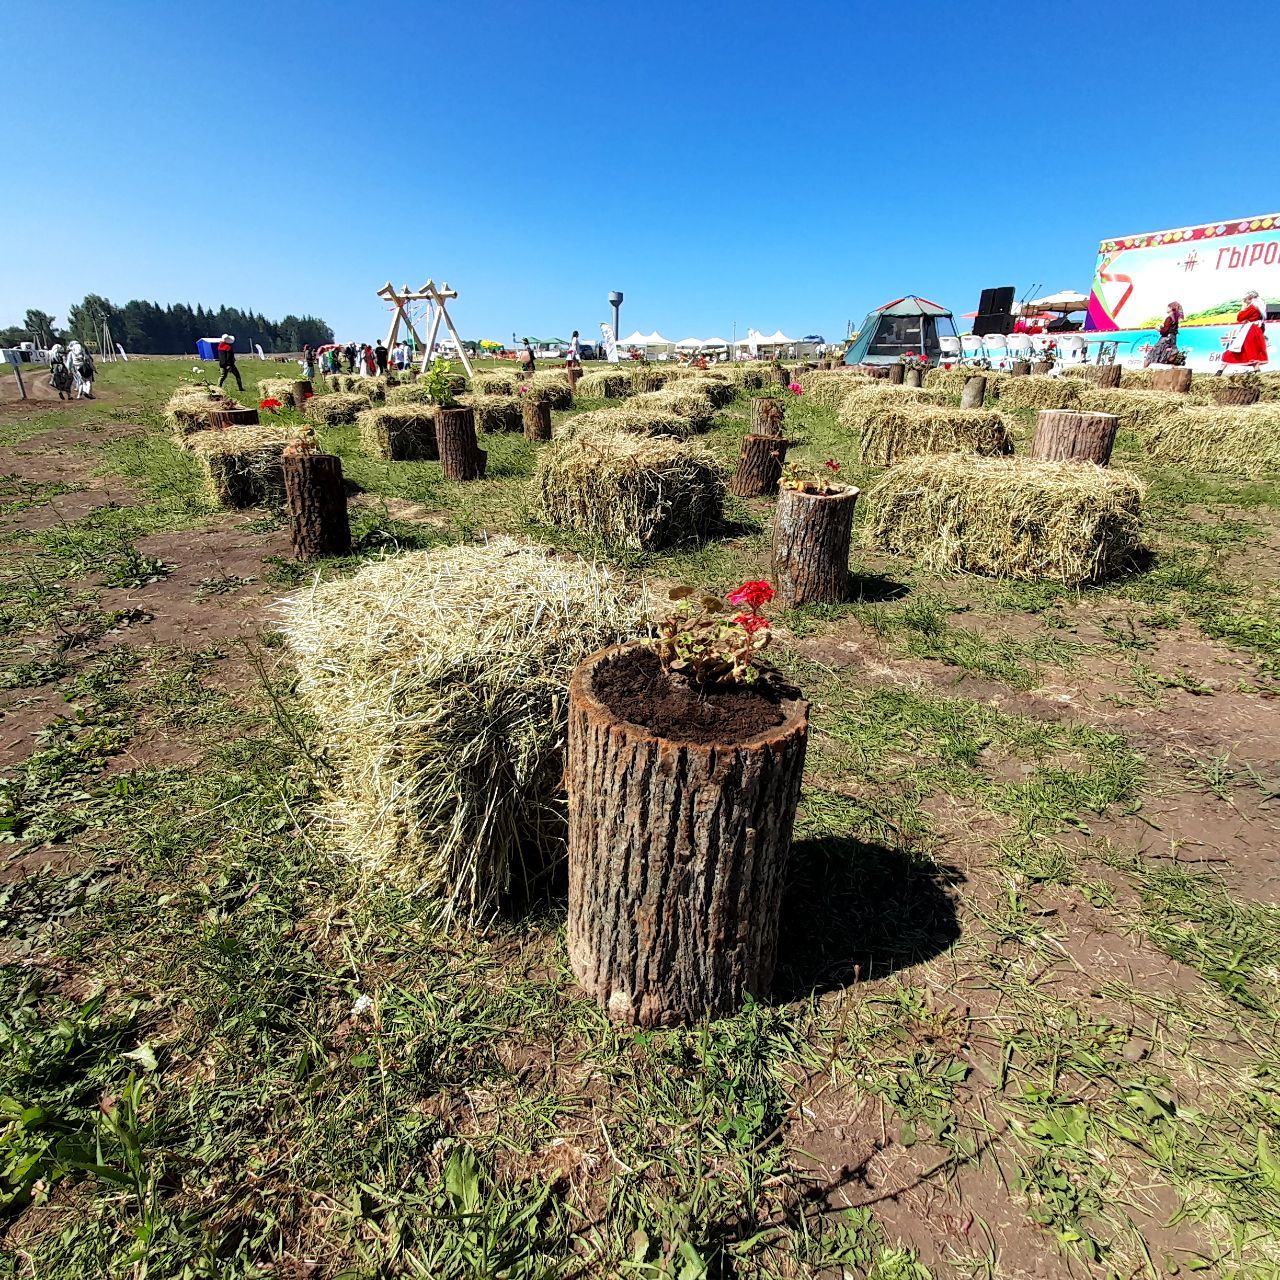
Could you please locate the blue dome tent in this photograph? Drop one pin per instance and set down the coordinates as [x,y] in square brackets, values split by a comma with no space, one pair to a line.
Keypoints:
[905,324]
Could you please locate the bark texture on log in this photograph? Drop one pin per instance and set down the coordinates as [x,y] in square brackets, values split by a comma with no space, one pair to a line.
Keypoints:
[1041,366]
[1171,380]
[537,419]
[461,458]
[914,378]
[897,372]
[1229,394]
[574,372]
[317,501]
[219,419]
[760,461]
[781,376]
[1109,375]
[301,390]
[974,394]
[766,416]
[811,536]
[1021,368]
[879,370]
[1080,437]
[677,860]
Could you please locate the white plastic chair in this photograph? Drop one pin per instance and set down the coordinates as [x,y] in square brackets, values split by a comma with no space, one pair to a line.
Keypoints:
[1019,346]
[1072,349]
[971,347]
[949,350]
[996,349]
[1040,344]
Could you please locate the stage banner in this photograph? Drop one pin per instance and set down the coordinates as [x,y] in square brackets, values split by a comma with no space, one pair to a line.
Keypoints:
[610,342]
[1207,269]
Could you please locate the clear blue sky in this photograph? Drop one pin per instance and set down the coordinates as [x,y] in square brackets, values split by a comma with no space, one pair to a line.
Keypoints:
[772,165]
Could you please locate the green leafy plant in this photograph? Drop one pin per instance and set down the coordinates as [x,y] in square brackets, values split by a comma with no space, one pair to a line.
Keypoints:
[807,479]
[702,643]
[440,384]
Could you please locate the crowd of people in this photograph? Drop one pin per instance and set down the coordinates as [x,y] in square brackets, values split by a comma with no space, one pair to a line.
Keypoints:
[71,372]
[361,358]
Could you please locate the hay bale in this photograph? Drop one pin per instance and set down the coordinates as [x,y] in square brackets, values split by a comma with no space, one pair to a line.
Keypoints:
[719,390]
[604,386]
[1066,522]
[951,381]
[630,417]
[409,393]
[684,399]
[827,387]
[748,375]
[1237,440]
[1137,379]
[551,387]
[336,408]
[495,413]
[1137,410]
[439,679]
[495,382]
[399,432]
[630,490]
[1039,391]
[242,464]
[861,406]
[188,409]
[277,389]
[901,431]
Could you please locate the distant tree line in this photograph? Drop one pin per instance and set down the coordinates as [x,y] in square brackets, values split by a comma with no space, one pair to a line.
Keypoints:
[147,328]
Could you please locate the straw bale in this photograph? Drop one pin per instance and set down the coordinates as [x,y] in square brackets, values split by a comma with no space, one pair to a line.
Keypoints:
[827,387]
[749,375]
[1137,410]
[439,681]
[551,386]
[900,431]
[335,408]
[1067,522]
[637,419]
[685,399]
[630,490]
[189,407]
[648,377]
[1039,391]
[277,389]
[495,382]
[1137,380]
[861,405]
[1203,385]
[494,413]
[399,432]
[720,390]
[604,386]
[952,380]
[409,393]
[242,464]
[1238,440]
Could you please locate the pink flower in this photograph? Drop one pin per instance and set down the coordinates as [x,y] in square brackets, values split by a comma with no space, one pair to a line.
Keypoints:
[751,622]
[523,390]
[752,594]
[796,389]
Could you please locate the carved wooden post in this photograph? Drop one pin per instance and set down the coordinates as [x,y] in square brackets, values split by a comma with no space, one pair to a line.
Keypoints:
[811,536]
[760,461]
[1021,368]
[234,416]
[914,378]
[461,458]
[1083,437]
[574,372]
[1041,366]
[974,395]
[317,502]
[300,392]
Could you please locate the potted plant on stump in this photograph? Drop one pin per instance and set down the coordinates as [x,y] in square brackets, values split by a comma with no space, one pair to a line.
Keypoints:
[914,364]
[683,771]
[461,457]
[812,529]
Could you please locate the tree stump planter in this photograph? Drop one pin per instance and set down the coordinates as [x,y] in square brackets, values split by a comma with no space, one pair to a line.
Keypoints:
[537,419]
[1235,394]
[1079,437]
[677,851]
[766,416]
[811,536]
[1041,366]
[913,378]
[760,461]
[1021,368]
[1178,380]
[317,502]
[974,394]
[1109,375]
[302,390]
[461,458]
[897,372]
[236,416]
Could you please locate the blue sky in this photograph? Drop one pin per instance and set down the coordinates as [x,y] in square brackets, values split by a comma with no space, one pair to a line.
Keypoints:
[779,166]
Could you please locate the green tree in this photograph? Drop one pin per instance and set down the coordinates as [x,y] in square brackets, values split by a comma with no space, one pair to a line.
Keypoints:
[41,327]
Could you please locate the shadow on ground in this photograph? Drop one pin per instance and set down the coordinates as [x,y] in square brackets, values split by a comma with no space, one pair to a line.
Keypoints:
[855,911]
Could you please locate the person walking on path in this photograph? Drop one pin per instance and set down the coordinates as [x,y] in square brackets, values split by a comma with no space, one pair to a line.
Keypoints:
[574,355]
[227,359]
[380,355]
[1248,346]
[82,370]
[370,364]
[526,358]
[308,362]
[59,374]
[1167,347]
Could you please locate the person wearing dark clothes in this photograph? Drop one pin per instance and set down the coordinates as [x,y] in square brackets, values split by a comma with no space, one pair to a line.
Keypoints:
[227,360]
[526,358]
[380,354]
[351,357]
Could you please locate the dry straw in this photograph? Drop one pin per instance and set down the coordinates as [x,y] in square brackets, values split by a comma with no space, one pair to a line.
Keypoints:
[336,408]
[900,431]
[242,464]
[630,490]
[440,681]
[1066,522]
[399,432]
[718,389]
[860,407]
[277,389]
[1039,391]
[827,387]
[494,413]
[494,382]
[189,407]
[1137,410]
[551,387]
[604,386]
[750,376]
[684,399]
[1238,440]
[409,393]
[632,417]
[952,380]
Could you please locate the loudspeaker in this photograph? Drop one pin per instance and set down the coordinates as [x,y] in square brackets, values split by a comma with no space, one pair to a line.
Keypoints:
[996,300]
[992,322]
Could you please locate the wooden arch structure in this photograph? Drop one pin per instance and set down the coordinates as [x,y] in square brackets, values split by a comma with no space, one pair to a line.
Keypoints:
[435,294]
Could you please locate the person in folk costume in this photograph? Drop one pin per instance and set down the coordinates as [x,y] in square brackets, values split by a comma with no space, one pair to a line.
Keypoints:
[574,355]
[82,370]
[1248,346]
[308,361]
[59,373]
[1167,346]
[227,360]
[370,361]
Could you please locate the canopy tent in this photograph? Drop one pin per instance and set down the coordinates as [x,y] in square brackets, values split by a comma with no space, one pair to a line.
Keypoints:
[903,325]
[714,344]
[647,341]
[757,339]
[1065,301]
[690,344]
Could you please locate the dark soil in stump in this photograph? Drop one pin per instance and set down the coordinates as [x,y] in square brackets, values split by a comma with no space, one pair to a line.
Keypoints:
[634,687]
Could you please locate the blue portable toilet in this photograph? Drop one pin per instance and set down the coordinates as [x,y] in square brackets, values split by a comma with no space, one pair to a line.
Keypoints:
[207,348]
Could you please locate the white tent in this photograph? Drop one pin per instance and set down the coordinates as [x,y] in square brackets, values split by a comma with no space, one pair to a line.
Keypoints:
[646,341]
[633,340]
[1065,301]
[715,344]
[690,344]
[777,339]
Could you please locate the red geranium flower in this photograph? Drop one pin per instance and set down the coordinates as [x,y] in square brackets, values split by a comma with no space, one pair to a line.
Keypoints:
[306,395]
[270,405]
[796,389]
[752,594]
[832,465]
[751,622]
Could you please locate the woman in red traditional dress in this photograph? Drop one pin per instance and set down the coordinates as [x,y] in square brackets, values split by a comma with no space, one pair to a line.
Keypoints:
[1248,345]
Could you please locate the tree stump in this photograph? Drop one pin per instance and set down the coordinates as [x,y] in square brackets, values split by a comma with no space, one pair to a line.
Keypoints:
[766,416]
[537,419]
[1234,393]
[1041,366]
[760,462]
[1080,437]
[317,501]
[811,536]
[302,389]
[1021,368]
[974,395]
[235,416]
[1109,375]
[884,371]
[913,377]
[677,859]
[781,376]
[1178,380]
[574,372]
[461,458]
[897,372]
